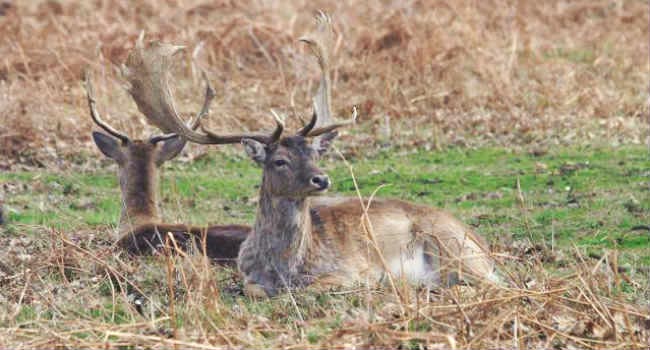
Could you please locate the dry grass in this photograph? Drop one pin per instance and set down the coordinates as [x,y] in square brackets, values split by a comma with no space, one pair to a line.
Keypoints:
[461,72]
[82,294]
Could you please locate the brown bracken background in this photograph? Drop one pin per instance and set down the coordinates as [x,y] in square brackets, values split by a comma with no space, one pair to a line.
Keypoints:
[423,73]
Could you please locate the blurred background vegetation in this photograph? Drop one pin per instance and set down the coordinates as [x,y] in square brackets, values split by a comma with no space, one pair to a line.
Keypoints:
[425,74]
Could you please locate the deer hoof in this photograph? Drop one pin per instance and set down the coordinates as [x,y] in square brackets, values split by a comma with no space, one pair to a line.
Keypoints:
[255,291]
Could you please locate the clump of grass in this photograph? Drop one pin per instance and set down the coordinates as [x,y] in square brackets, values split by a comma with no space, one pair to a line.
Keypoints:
[461,73]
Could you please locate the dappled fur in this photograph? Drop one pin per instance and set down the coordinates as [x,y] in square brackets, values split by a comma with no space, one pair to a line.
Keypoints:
[299,239]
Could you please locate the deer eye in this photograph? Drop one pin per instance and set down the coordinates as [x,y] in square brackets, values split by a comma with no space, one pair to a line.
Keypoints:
[280,163]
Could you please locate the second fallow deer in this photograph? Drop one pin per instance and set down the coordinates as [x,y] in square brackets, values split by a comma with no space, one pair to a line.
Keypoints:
[141,228]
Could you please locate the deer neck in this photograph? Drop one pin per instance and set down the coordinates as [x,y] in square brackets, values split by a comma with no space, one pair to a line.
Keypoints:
[139,186]
[283,230]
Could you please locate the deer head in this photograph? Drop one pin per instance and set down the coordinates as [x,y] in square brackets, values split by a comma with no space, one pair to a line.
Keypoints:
[289,163]
[138,160]
[285,160]
[154,151]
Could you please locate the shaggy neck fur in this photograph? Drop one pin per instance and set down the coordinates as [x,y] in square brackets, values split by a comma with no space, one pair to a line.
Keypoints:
[283,227]
[139,184]
[275,253]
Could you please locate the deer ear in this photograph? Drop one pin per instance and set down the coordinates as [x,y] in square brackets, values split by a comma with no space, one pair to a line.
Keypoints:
[255,149]
[170,149]
[108,145]
[322,143]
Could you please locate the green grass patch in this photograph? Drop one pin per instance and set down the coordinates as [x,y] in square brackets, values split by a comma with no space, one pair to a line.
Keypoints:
[589,196]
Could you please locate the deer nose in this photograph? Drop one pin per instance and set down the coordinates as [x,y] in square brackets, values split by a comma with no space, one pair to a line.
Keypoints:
[320,181]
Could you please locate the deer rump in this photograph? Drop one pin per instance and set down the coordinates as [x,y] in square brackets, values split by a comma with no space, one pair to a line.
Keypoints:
[221,242]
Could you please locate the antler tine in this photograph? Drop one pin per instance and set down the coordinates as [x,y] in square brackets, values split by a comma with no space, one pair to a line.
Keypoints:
[210,94]
[147,70]
[307,128]
[224,139]
[320,42]
[328,128]
[278,130]
[94,114]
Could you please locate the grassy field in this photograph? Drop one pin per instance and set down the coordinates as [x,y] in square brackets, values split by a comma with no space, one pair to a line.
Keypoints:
[525,119]
[547,215]
[591,196]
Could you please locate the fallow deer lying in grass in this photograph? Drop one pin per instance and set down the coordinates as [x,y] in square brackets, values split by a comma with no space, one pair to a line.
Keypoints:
[141,228]
[297,241]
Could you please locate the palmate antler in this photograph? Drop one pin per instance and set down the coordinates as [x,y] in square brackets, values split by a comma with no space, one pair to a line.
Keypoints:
[147,71]
[94,114]
[209,96]
[320,43]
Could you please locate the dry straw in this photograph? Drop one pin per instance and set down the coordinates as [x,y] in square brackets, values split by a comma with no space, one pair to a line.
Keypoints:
[462,72]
